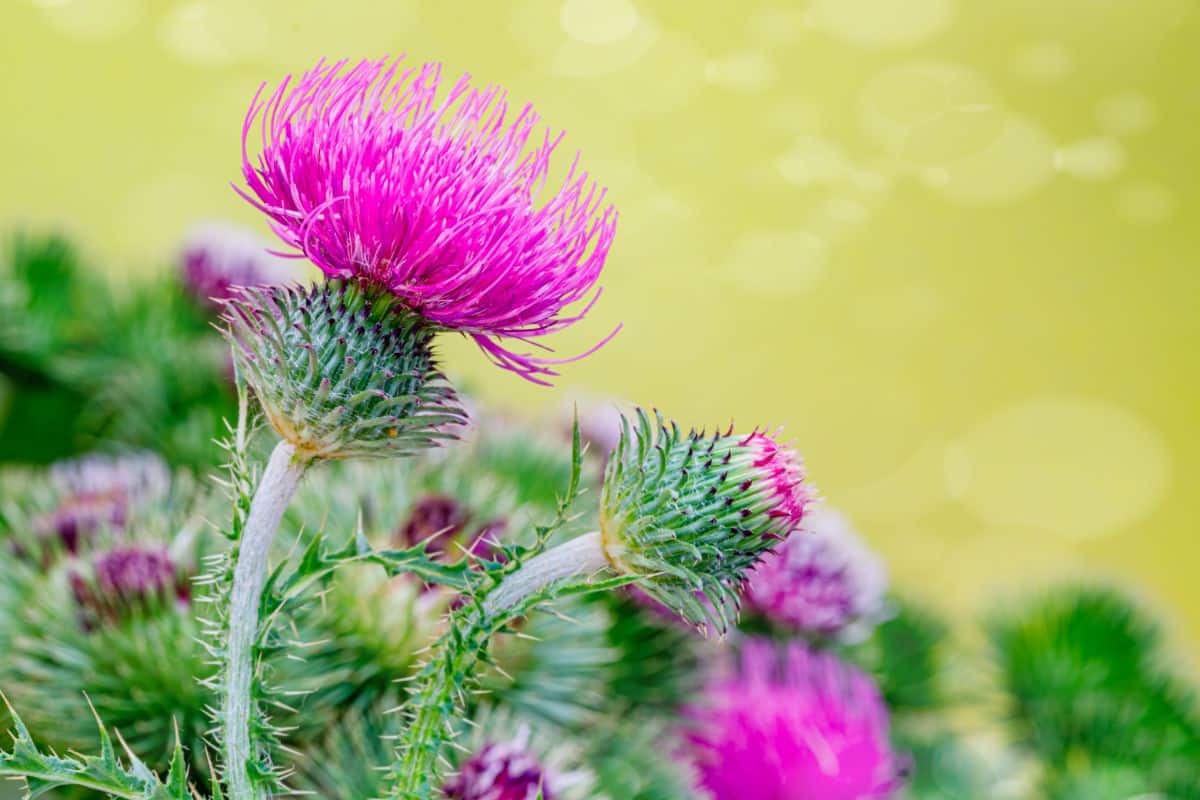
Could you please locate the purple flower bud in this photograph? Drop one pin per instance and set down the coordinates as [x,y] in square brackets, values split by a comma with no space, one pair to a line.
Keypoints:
[823,580]
[501,771]
[786,723]
[127,580]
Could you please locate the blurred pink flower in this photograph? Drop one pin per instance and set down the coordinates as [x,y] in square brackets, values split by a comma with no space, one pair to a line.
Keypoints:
[219,256]
[373,176]
[790,724]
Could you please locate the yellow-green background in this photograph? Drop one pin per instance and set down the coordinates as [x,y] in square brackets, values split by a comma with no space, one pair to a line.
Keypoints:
[949,244]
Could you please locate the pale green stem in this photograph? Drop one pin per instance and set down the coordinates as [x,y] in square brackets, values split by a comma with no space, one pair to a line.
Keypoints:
[583,554]
[275,490]
[438,696]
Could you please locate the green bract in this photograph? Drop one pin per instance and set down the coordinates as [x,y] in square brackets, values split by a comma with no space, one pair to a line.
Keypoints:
[342,372]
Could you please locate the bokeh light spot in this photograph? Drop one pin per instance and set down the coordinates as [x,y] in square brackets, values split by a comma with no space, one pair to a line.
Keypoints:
[1125,114]
[745,72]
[881,23]
[1077,467]
[598,21]
[1020,160]
[1146,202]
[1043,61]
[778,261]
[1096,159]
[91,19]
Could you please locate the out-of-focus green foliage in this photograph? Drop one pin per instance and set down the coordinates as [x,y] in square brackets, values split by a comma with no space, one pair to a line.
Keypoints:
[83,363]
[906,657]
[1084,678]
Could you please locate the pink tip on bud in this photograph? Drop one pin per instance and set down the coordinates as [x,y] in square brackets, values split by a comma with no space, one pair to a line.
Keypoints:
[781,469]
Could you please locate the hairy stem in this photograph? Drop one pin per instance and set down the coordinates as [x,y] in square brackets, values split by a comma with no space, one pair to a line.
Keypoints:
[583,554]
[275,490]
[439,695]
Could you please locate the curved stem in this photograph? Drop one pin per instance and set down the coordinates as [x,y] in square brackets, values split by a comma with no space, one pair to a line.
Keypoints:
[275,490]
[439,696]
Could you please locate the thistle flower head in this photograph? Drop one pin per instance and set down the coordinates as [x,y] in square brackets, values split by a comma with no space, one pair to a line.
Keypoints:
[101,491]
[374,173]
[127,580]
[693,513]
[792,723]
[508,760]
[341,372]
[217,257]
[822,581]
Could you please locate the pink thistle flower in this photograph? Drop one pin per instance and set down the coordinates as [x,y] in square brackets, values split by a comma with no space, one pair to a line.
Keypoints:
[823,580]
[373,176]
[790,724]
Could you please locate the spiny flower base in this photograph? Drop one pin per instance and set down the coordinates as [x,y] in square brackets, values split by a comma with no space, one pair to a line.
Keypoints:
[342,371]
[692,513]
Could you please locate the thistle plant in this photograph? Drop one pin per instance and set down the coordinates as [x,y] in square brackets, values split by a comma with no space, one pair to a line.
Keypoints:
[422,213]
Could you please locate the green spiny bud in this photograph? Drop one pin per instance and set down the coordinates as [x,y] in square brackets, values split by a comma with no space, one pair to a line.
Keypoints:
[340,371]
[692,513]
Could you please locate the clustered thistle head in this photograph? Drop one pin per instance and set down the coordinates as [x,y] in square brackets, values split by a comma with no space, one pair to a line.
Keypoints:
[373,176]
[693,513]
[218,257]
[341,374]
[793,723]
[822,581]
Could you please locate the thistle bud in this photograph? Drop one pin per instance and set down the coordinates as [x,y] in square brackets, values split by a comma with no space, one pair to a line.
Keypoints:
[508,760]
[127,580]
[101,491]
[342,372]
[823,581]
[693,513]
[436,519]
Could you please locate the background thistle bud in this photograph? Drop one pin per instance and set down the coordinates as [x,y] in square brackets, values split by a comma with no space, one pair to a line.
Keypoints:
[127,580]
[692,513]
[508,758]
[342,372]
[217,257]
[822,581]
[101,491]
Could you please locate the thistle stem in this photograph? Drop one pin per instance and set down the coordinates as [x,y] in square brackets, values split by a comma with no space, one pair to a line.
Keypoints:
[440,693]
[275,490]
[583,554]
